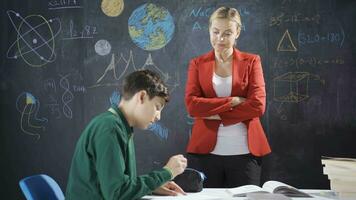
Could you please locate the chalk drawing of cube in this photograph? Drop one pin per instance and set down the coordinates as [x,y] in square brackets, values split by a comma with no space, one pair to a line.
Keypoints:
[291,87]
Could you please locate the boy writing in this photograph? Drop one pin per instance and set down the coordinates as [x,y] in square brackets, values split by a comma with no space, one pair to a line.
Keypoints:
[104,165]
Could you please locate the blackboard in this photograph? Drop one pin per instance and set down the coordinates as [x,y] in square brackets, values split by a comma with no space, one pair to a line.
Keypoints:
[62,62]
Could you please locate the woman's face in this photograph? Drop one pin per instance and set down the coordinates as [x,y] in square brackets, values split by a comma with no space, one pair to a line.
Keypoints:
[223,33]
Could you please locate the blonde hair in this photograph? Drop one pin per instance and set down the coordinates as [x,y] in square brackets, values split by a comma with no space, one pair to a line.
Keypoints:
[227,13]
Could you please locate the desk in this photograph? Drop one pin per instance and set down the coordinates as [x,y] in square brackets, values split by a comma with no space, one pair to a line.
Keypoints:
[220,194]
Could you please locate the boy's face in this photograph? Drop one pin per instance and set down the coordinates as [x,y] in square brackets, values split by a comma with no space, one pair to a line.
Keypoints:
[148,110]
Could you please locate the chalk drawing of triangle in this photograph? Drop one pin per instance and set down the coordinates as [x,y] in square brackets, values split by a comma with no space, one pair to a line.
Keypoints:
[286,43]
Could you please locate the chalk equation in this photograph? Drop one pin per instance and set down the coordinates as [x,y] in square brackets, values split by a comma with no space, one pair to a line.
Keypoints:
[75,33]
[311,61]
[336,38]
[286,43]
[294,18]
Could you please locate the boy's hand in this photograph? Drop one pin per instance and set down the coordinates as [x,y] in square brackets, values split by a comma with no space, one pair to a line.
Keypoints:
[176,164]
[170,188]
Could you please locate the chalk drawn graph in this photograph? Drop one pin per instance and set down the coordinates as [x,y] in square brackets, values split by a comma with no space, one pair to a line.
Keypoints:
[111,68]
[112,77]
[35,38]
[29,106]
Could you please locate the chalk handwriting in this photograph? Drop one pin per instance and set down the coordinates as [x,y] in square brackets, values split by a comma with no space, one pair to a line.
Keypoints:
[306,61]
[87,32]
[284,18]
[63,4]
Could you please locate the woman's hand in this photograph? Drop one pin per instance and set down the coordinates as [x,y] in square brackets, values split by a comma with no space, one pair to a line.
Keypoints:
[234,102]
[237,100]
[169,189]
[213,117]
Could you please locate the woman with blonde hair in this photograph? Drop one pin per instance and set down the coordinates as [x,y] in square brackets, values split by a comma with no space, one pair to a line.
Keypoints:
[225,93]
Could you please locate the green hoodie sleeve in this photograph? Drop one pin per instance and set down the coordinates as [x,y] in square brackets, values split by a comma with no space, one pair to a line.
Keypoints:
[111,161]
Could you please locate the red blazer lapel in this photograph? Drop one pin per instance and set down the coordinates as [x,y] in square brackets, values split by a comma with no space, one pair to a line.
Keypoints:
[238,72]
[239,69]
[206,71]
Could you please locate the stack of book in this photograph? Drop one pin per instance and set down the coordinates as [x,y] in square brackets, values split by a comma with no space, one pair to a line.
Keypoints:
[342,175]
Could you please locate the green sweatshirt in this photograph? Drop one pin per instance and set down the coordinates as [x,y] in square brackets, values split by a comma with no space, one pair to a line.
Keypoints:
[104,164]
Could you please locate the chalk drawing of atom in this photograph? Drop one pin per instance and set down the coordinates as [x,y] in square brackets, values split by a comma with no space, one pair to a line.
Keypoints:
[35,38]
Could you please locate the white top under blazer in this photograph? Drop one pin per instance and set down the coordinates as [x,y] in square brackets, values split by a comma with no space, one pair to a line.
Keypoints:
[231,140]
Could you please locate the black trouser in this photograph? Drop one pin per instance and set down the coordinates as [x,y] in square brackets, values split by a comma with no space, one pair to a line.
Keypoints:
[227,171]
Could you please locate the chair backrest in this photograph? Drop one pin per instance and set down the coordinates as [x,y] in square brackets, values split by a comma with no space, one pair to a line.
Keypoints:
[41,187]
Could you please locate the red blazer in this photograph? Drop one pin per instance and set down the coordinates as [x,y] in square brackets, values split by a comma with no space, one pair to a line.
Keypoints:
[202,101]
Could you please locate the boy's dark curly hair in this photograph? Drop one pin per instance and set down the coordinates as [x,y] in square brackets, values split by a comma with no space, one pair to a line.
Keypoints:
[147,80]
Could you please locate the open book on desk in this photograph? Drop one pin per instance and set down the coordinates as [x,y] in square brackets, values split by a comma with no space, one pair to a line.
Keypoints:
[275,187]
[206,194]
[222,194]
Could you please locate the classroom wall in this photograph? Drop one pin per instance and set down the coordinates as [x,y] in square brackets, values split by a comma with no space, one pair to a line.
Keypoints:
[63,62]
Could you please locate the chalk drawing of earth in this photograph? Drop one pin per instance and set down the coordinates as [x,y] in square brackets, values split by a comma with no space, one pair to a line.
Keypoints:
[151,27]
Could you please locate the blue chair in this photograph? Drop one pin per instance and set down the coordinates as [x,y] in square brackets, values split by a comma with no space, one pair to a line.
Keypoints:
[41,187]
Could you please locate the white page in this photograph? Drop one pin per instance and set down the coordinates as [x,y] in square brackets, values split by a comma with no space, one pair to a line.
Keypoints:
[244,189]
[190,196]
[271,185]
[267,196]
[220,193]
